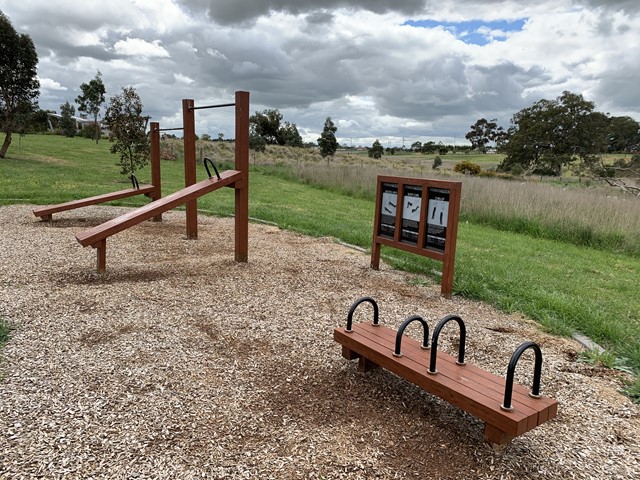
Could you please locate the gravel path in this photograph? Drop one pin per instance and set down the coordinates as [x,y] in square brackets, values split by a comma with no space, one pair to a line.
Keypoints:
[179,363]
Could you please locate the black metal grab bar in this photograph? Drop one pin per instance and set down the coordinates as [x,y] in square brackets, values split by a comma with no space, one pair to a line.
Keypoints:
[405,324]
[134,182]
[213,106]
[208,160]
[434,342]
[537,373]
[353,309]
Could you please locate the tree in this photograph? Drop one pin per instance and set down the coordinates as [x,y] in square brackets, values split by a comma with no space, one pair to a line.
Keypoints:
[553,133]
[483,132]
[92,99]
[256,142]
[19,85]
[68,125]
[267,125]
[624,134]
[127,131]
[327,141]
[376,150]
[288,135]
[416,146]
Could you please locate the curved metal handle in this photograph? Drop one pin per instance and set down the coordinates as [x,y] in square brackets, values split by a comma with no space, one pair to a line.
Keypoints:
[353,309]
[134,182]
[537,373]
[208,160]
[405,324]
[434,342]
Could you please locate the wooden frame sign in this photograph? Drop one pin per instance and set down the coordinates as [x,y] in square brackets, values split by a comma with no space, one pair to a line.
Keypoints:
[418,216]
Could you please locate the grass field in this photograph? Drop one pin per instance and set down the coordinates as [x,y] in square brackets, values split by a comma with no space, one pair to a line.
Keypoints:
[565,287]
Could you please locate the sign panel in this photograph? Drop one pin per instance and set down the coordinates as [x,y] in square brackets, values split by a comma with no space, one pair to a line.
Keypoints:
[418,216]
[388,209]
[437,215]
[412,203]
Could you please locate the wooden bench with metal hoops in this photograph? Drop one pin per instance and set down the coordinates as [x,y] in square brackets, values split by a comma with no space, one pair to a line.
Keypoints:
[506,408]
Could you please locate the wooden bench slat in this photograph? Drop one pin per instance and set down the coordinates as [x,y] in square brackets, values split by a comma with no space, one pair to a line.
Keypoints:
[49,210]
[94,235]
[470,388]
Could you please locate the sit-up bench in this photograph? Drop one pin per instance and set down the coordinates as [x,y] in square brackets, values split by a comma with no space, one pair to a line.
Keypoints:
[506,408]
[97,236]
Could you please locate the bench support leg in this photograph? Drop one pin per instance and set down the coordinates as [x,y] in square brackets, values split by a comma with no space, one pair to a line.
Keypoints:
[364,365]
[495,436]
[46,218]
[349,354]
[101,249]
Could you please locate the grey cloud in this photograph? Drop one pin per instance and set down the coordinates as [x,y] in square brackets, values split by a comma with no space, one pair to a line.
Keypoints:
[227,12]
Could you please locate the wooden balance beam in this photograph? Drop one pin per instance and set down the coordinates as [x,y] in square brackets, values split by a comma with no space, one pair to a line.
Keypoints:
[97,236]
[470,388]
[46,212]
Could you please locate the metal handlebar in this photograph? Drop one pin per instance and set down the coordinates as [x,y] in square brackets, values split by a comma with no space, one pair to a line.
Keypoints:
[208,160]
[353,309]
[434,342]
[537,373]
[405,324]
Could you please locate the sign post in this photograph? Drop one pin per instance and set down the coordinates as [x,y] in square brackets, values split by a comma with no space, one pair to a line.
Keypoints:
[418,216]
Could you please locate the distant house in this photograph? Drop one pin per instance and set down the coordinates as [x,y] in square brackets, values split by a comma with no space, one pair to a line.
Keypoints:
[54,118]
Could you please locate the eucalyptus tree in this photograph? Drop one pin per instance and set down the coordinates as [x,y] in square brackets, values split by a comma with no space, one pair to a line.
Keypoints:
[91,100]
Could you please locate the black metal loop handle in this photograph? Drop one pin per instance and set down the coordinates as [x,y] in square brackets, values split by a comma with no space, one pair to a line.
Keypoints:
[208,160]
[405,324]
[537,372]
[353,309]
[134,182]
[434,342]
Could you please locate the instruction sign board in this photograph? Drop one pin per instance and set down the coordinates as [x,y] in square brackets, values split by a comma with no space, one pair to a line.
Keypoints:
[388,209]
[438,214]
[419,216]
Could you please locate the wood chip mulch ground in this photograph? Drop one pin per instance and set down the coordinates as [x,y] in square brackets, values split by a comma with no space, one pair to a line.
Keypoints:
[180,363]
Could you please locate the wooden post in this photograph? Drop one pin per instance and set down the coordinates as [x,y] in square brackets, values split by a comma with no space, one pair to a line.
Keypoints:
[101,255]
[189,137]
[155,166]
[242,187]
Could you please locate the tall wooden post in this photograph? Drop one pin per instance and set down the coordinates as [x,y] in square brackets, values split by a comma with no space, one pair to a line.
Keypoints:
[155,166]
[189,137]
[242,188]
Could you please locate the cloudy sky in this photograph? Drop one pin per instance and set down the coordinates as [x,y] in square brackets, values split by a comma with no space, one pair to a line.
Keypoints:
[395,70]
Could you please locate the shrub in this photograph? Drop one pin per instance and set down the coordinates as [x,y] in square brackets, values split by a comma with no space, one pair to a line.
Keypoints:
[437,162]
[468,168]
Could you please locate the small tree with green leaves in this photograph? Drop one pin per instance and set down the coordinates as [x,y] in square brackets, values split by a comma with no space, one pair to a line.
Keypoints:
[376,150]
[19,85]
[127,131]
[92,99]
[327,141]
[68,126]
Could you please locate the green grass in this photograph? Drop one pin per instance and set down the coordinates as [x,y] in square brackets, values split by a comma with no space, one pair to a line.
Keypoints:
[565,287]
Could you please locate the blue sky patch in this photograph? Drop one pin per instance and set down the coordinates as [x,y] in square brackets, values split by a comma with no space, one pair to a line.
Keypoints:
[476,32]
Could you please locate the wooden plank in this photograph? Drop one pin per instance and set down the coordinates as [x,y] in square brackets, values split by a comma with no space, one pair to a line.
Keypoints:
[470,388]
[95,200]
[94,235]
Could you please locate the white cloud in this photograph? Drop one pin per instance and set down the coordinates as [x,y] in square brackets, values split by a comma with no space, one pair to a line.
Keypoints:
[49,84]
[137,47]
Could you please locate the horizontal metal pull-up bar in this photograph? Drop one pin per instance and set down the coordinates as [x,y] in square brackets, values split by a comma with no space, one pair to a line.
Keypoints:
[169,129]
[214,106]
